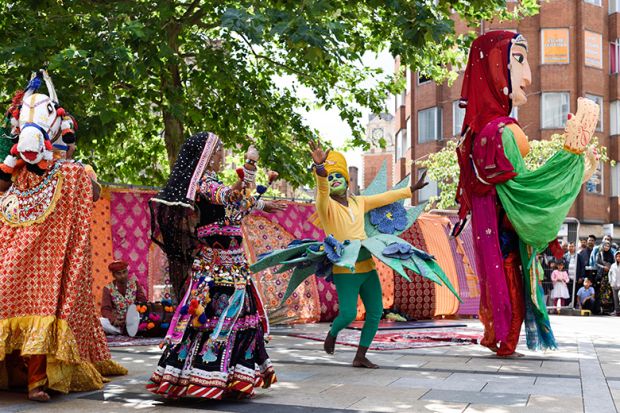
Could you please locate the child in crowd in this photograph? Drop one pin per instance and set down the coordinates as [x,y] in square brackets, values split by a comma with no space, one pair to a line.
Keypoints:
[559,277]
[586,296]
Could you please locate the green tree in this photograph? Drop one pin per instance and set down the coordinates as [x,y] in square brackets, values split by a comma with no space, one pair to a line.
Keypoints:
[141,75]
[443,166]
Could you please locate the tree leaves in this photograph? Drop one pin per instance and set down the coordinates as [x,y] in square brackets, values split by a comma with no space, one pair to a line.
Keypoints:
[122,67]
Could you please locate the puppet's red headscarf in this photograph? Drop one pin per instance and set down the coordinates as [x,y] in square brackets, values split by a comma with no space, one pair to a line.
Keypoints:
[485,95]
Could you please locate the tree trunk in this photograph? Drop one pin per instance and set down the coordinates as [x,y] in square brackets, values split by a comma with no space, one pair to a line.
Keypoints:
[172,94]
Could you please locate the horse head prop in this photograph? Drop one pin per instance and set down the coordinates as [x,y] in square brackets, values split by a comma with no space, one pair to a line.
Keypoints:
[39,125]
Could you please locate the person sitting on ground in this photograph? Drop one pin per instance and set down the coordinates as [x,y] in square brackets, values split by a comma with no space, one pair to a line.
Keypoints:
[118,295]
[585,296]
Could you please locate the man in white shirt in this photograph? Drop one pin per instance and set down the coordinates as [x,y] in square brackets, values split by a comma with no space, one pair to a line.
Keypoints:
[571,259]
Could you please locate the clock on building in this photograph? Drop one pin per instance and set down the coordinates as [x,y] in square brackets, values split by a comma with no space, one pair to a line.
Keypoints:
[377,133]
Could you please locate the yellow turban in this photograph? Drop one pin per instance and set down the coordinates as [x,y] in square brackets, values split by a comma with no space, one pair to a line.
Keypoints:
[335,162]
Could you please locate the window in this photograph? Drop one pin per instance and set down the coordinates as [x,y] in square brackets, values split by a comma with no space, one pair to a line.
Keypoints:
[614,6]
[554,110]
[398,143]
[423,79]
[595,183]
[599,102]
[615,180]
[593,53]
[458,115]
[614,55]
[555,46]
[514,113]
[614,117]
[429,190]
[406,143]
[595,2]
[429,125]
[408,80]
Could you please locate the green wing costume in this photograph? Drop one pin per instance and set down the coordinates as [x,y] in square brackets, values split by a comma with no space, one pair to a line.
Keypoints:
[382,225]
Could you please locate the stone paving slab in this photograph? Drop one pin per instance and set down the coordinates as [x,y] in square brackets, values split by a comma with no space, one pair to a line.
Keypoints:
[476,397]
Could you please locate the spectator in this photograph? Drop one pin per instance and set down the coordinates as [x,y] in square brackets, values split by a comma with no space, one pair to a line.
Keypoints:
[118,296]
[559,277]
[604,261]
[614,282]
[574,265]
[585,296]
[584,255]
[582,245]
[595,251]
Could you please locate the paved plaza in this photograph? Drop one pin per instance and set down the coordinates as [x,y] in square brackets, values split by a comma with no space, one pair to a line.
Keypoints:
[582,376]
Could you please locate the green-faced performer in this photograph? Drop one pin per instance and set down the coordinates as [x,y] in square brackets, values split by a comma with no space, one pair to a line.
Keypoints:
[357,228]
[342,216]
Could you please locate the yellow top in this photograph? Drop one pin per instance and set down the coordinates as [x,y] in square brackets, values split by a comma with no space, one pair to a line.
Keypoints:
[347,223]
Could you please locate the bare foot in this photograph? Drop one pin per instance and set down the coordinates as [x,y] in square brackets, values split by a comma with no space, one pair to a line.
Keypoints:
[364,362]
[330,344]
[516,354]
[38,395]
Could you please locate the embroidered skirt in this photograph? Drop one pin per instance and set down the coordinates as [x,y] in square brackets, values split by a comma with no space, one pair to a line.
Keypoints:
[216,343]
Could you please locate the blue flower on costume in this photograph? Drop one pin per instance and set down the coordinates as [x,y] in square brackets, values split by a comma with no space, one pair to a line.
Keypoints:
[333,248]
[399,250]
[389,218]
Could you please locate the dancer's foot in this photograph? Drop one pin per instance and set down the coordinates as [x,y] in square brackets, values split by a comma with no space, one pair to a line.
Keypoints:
[360,359]
[364,362]
[516,354]
[38,395]
[329,345]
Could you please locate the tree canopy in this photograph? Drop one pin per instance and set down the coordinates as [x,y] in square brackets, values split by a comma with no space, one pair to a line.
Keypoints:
[141,75]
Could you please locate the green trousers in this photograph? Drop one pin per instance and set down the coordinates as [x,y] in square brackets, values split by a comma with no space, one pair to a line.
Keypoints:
[367,286]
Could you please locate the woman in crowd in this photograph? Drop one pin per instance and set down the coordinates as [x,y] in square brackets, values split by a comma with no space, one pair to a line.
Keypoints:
[215,346]
[604,261]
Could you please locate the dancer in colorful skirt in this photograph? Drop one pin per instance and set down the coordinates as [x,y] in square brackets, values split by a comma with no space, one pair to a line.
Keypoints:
[215,346]
[359,228]
[50,336]
[516,213]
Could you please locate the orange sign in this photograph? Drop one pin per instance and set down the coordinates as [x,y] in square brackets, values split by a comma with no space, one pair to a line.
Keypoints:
[555,46]
[593,49]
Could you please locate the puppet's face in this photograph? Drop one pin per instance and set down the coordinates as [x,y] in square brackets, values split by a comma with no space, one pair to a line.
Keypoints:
[337,184]
[520,73]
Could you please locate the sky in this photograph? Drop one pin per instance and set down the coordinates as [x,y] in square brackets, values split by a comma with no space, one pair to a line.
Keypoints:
[328,122]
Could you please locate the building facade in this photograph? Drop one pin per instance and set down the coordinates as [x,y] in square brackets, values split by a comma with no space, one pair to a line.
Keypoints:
[379,132]
[574,50]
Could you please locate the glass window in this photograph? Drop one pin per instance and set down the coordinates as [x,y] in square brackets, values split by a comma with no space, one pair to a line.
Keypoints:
[458,115]
[614,117]
[514,113]
[429,190]
[595,183]
[614,56]
[398,142]
[423,79]
[614,6]
[615,180]
[555,46]
[429,125]
[593,53]
[595,2]
[406,143]
[599,102]
[554,110]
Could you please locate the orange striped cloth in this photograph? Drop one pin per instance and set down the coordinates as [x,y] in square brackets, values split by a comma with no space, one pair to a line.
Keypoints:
[439,246]
[101,239]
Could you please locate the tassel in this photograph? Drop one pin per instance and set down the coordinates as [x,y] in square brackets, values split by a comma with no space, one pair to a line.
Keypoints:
[261,189]
[184,309]
[202,318]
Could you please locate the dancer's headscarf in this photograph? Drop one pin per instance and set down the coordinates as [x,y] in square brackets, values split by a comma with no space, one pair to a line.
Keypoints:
[173,212]
[486,96]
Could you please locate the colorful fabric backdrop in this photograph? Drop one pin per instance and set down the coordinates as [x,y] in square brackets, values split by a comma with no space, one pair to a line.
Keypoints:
[121,229]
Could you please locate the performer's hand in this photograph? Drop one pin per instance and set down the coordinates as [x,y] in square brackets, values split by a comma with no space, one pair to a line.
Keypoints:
[420,184]
[271,207]
[318,154]
[235,195]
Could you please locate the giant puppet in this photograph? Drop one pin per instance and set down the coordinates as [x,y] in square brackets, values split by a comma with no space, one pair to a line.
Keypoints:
[515,213]
[50,336]
[358,228]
